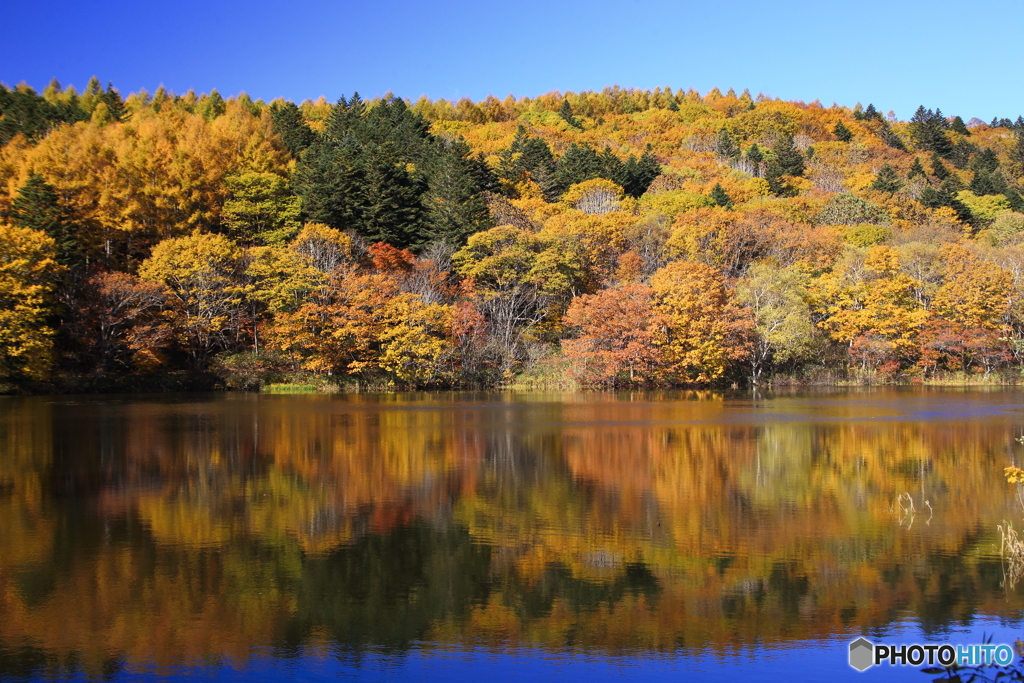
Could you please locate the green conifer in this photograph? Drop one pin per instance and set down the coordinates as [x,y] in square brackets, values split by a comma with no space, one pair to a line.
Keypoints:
[841,132]
[720,197]
[887,180]
[959,126]
[567,114]
[916,169]
[37,206]
[726,145]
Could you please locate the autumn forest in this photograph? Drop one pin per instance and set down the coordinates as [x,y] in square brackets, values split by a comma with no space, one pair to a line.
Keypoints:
[615,239]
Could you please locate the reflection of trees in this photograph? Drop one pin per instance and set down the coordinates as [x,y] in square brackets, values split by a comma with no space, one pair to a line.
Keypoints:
[193,528]
[389,589]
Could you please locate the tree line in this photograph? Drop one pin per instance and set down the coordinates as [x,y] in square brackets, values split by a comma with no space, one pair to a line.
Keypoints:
[623,238]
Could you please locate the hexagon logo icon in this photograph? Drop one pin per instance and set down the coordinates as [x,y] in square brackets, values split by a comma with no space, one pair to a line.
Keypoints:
[862,654]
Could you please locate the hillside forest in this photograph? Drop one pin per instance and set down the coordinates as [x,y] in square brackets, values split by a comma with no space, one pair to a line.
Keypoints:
[615,239]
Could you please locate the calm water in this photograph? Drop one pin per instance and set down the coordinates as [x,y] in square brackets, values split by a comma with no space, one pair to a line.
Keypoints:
[509,537]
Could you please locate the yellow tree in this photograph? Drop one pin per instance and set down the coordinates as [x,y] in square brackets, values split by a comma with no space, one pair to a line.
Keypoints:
[974,293]
[27,270]
[203,274]
[869,303]
[706,330]
[416,340]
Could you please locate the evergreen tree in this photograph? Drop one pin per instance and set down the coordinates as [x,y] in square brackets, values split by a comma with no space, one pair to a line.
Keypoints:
[786,161]
[509,168]
[962,152]
[916,169]
[945,195]
[755,156]
[887,180]
[985,161]
[1017,152]
[841,132]
[1016,201]
[371,171]
[580,162]
[548,181]
[455,208]
[720,197]
[484,178]
[393,211]
[987,183]
[567,115]
[726,145]
[330,179]
[536,153]
[927,128]
[37,207]
[23,111]
[939,169]
[889,136]
[638,175]
[115,105]
[612,167]
[959,126]
[289,125]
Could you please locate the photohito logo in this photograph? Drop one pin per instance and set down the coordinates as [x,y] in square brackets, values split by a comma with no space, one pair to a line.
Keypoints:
[865,654]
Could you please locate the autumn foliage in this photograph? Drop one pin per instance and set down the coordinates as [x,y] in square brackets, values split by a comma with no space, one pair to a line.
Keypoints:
[632,238]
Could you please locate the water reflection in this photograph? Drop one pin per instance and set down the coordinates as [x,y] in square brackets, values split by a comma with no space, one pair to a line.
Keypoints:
[178,530]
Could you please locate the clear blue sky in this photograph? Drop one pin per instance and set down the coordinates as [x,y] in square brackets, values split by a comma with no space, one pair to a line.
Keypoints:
[961,57]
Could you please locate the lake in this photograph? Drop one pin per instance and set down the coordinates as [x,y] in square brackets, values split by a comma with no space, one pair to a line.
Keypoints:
[653,536]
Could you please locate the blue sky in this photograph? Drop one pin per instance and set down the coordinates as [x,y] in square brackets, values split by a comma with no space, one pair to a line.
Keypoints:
[962,58]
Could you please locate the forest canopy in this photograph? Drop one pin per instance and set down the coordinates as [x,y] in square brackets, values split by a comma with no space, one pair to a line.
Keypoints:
[622,238]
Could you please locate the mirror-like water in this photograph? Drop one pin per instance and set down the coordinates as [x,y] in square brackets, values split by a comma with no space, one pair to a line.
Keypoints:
[509,536]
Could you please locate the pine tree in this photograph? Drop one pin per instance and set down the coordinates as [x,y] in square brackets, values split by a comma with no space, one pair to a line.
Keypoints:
[726,145]
[455,208]
[945,195]
[1017,152]
[787,161]
[841,132]
[1016,201]
[567,115]
[580,162]
[638,175]
[720,197]
[927,128]
[959,126]
[916,169]
[536,153]
[370,171]
[985,161]
[889,136]
[939,169]
[887,180]
[755,156]
[962,152]
[288,123]
[37,207]
[115,105]
[393,210]
[509,168]
[548,181]
[612,167]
